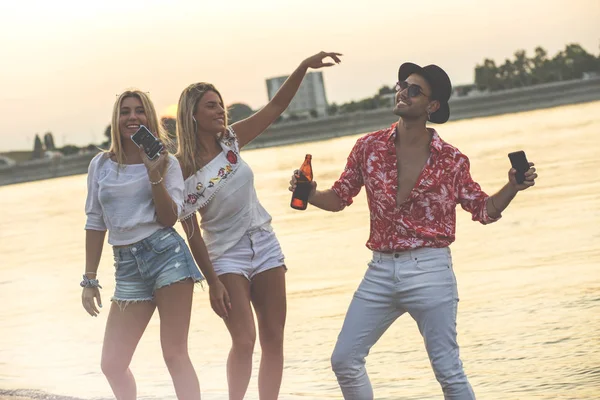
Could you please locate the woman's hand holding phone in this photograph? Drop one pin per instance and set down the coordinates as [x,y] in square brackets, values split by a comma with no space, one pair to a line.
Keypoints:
[156,167]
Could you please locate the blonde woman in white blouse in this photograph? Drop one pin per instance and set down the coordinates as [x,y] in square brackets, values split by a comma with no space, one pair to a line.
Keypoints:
[137,200]
[240,241]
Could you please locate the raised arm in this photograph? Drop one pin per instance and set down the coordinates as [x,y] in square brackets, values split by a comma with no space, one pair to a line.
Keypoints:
[249,128]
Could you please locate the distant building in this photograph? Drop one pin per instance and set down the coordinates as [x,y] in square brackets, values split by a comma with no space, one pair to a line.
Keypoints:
[463,90]
[51,154]
[6,161]
[310,99]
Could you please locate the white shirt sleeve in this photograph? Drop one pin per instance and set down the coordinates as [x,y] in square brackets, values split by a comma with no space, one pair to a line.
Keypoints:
[174,183]
[93,209]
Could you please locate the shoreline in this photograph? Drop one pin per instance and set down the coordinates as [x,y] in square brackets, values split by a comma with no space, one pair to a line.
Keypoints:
[26,394]
[468,107]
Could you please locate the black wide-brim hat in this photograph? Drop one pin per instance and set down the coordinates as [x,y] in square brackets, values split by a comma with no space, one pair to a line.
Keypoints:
[440,86]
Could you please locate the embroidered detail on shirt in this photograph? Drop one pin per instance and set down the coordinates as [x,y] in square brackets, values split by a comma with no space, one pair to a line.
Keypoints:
[222,174]
[232,157]
[192,198]
[206,189]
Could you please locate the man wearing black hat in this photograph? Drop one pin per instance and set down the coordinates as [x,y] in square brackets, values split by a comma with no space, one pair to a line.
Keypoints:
[414,180]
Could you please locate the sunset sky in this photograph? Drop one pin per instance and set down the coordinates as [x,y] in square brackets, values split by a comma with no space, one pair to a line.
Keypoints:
[64,62]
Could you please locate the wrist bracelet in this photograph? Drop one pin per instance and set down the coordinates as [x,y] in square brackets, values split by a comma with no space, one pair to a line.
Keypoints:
[90,283]
[157,182]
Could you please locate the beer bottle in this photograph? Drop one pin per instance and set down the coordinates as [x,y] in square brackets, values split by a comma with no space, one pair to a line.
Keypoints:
[303,185]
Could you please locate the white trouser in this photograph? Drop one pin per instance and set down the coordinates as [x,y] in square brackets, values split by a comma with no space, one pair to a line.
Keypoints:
[420,282]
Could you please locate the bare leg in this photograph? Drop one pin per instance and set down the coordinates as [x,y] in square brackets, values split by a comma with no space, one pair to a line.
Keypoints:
[124,328]
[174,307]
[243,335]
[269,300]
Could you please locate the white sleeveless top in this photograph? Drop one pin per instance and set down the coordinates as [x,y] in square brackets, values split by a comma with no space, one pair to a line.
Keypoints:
[224,195]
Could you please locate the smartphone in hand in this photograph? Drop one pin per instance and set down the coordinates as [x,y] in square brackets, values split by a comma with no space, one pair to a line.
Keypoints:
[519,162]
[146,140]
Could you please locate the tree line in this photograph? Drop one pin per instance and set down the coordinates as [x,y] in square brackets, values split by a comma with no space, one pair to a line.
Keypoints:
[41,146]
[571,63]
[521,71]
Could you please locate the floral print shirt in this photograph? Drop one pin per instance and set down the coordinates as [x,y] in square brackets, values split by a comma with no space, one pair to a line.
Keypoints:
[427,218]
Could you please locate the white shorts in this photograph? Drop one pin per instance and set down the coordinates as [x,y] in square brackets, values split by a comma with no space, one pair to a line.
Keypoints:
[257,251]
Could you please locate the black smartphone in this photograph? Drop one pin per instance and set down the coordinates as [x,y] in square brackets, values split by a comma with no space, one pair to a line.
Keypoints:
[145,139]
[520,163]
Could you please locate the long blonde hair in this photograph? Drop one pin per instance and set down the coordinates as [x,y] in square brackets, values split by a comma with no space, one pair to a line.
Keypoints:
[188,146]
[116,146]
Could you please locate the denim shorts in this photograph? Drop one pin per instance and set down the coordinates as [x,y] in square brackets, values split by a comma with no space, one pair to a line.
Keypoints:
[159,260]
[257,251]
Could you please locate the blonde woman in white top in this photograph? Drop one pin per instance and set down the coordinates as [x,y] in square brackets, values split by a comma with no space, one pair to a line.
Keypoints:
[138,201]
[240,242]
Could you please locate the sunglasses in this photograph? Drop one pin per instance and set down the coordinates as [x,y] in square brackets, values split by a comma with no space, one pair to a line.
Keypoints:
[413,90]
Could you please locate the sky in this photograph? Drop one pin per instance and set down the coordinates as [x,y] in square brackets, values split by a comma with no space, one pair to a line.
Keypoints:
[63,62]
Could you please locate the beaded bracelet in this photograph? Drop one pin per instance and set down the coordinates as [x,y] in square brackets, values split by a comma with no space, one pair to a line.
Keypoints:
[157,182]
[90,283]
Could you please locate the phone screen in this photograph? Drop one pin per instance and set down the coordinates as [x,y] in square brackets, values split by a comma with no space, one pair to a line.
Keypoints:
[145,139]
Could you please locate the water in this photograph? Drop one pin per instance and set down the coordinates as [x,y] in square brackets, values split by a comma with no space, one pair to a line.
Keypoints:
[529,285]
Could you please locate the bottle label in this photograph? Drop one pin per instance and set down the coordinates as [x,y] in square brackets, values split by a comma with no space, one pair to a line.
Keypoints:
[302,191]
